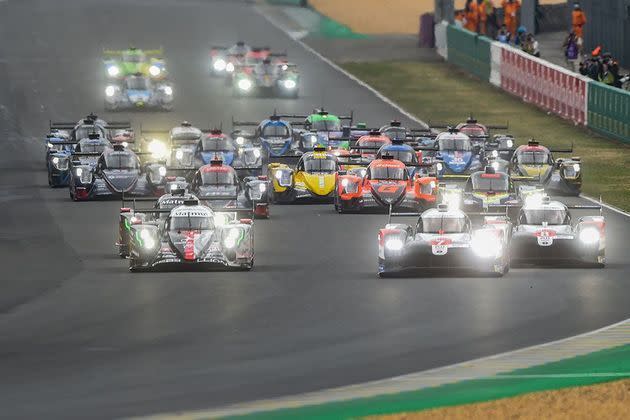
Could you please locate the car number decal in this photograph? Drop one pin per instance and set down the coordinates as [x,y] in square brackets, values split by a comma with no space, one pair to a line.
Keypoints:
[545,237]
[440,246]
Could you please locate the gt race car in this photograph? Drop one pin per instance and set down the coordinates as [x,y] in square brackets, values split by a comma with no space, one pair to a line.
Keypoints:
[139,92]
[218,186]
[122,63]
[117,172]
[546,233]
[190,238]
[444,239]
[312,180]
[386,184]
[280,79]
[560,176]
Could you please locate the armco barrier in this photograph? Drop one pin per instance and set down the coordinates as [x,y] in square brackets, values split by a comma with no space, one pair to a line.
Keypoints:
[544,84]
[609,110]
[469,50]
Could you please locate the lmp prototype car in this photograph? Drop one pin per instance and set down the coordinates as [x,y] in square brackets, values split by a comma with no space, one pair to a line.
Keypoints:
[276,135]
[444,239]
[89,125]
[313,179]
[139,92]
[455,154]
[368,146]
[218,186]
[122,63]
[267,78]
[190,238]
[245,158]
[58,151]
[224,60]
[546,233]
[560,176]
[177,146]
[118,172]
[386,184]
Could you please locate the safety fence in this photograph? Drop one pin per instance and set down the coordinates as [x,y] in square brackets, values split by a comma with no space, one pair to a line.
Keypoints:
[548,86]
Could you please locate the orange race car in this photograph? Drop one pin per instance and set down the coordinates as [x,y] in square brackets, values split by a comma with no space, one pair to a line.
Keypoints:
[383,185]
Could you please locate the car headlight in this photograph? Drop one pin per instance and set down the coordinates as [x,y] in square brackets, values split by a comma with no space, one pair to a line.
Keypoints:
[147,239]
[589,235]
[262,187]
[50,145]
[278,174]
[229,67]
[155,71]
[219,65]
[220,219]
[394,244]
[79,172]
[576,167]
[113,71]
[179,155]
[240,140]
[486,244]
[162,171]
[439,166]
[244,84]
[257,153]
[344,182]
[495,164]
[125,144]
[168,90]
[232,237]
[60,163]
[110,91]
[157,149]
[55,160]
[289,84]
[432,185]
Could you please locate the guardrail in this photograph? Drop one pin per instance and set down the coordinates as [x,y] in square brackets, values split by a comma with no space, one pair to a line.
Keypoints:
[548,86]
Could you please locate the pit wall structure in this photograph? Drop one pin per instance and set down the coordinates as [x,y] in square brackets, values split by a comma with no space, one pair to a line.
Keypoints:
[552,88]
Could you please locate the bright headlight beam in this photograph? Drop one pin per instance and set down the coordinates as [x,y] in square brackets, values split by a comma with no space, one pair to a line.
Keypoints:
[229,67]
[155,70]
[220,219]
[168,90]
[113,71]
[240,140]
[257,153]
[262,187]
[589,235]
[179,155]
[485,245]
[79,172]
[344,182]
[289,84]
[244,84]
[157,149]
[110,91]
[219,65]
[162,171]
[394,244]
[576,167]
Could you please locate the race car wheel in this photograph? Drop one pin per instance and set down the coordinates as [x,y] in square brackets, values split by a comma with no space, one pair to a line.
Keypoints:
[247,266]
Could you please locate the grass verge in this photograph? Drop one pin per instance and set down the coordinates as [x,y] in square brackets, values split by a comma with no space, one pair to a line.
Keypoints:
[442,92]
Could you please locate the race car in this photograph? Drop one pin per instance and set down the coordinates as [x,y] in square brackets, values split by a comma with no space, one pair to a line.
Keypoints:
[560,176]
[122,63]
[546,233]
[139,92]
[267,78]
[245,158]
[276,135]
[477,132]
[404,152]
[117,172]
[130,216]
[386,184]
[367,146]
[218,186]
[58,151]
[396,131]
[178,145]
[88,125]
[455,154]
[190,238]
[223,60]
[312,180]
[444,239]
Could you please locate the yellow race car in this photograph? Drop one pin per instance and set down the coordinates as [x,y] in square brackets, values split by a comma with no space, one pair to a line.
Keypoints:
[312,180]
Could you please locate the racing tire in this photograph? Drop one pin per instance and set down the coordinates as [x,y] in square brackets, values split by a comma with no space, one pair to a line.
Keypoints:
[247,266]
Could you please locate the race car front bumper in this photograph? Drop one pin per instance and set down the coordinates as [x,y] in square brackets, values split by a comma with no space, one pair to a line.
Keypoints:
[525,250]
[294,195]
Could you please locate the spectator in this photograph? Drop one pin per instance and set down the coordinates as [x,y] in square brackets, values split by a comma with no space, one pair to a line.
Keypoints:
[571,51]
[530,45]
[472,16]
[460,17]
[503,35]
[510,10]
[521,34]
[578,18]
[484,9]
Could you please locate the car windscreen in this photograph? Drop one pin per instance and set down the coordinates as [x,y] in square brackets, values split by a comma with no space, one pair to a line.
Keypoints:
[490,182]
[133,58]
[92,147]
[370,143]
[217,144]
[533,158]
[185,135]
[552,216]
[178,223]
[473,131]
[395,133]
[326,125]
[388,172]
[461,145]
[121,160]
[137,83]
[404,156]
[319,165]
[85,130]
[443,224]
[266,69]
[276,131]
[218,178]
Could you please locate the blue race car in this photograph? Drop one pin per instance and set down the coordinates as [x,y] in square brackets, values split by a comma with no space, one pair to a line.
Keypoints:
[456,155]
[58,150]
[239,153]
[276,136]
[139,92]
[408,155]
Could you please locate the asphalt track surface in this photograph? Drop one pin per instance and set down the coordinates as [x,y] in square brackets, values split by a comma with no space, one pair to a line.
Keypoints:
[81,337]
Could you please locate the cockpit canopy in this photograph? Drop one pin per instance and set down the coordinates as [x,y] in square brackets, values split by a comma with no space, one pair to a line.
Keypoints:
[483,182]
[121,160]
[458,143]
[546,213]
[222,176]
[318,164]
[443,222]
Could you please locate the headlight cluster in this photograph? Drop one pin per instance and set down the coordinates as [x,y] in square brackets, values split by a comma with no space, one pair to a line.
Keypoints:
[589,235]
[240,140]
[245,84]
[229,67]
[394,244]
[220,219]
[110,91]
[232,238]
[168,91]
[219,65]
[158,149]
[486,244]
[113,71]
[84,175]
[284,178]
[148,241]
[349,187]
[60,163]
[155,70]
[289,84]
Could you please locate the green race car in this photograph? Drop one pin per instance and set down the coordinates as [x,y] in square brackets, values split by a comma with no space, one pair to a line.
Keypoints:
[132,61]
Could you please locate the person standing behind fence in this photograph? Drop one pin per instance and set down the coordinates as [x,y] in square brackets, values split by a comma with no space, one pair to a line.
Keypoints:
[578,20]
[484,9]
[472,15]
[572,52]
[510,9]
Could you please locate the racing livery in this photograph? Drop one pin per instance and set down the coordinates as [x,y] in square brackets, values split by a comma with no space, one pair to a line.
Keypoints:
[444,239]
[244,157]
[122,63]
[386,184]
[139,92]
[268,78]
[189,238]
[455,154]
[546,233]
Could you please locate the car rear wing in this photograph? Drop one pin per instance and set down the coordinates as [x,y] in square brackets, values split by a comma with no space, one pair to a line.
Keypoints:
[86,154]
[63,143]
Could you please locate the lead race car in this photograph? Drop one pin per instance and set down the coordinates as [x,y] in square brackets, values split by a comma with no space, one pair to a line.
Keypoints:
[138,91]
[122,63]
[189,238]
[117,172]
[386,184]
[444,239]
[546,233]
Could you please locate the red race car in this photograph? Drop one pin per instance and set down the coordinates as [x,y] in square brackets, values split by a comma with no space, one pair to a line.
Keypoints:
[368,145]
[386,183]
